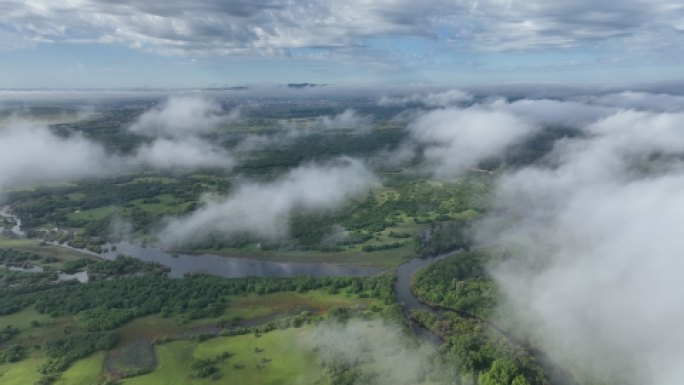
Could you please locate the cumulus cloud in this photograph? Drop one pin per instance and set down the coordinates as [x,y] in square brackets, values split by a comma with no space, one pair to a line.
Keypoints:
[190,153]
[455,140]
[596,249]
[31,153]
[176,126]
[183,116]
[434,99]
[263,209]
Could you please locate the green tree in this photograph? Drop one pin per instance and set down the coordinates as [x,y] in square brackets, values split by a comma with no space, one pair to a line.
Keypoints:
[502,372]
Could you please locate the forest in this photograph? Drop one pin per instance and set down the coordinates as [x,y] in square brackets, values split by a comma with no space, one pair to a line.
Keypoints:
[133,324]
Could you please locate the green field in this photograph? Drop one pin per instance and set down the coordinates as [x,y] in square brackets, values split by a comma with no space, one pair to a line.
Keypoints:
[270,359]
[21,373]
[87,371]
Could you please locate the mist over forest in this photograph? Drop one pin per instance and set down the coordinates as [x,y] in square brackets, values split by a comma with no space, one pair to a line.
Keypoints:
[566,206]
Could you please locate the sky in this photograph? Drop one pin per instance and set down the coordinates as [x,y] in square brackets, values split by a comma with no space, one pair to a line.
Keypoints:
[210,43]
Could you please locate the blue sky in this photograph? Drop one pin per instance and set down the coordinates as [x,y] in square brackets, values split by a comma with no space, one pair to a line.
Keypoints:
[172,43]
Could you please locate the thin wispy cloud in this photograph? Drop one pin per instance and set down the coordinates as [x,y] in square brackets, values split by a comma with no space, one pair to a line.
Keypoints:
[263,209]
[431,99]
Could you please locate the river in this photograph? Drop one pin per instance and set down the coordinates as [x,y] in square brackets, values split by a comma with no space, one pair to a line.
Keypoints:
[235,267]
[409,302]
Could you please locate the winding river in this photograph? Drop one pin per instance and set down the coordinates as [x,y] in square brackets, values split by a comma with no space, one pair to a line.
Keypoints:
[404,295]
[235,267]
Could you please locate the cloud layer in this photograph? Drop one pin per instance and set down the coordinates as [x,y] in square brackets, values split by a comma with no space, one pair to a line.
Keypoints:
[31,153]
[266,26]
[595,272]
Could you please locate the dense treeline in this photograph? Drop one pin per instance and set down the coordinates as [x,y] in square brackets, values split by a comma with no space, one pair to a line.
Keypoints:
[442,237]
[11,257]
[321,146]
[480,355]
[53,205]
[13,353]
[100,307]
[459,282]
[8,332]
[97,269]
[63,352]
[10,278]
[105,305]
[108,128]
[121,266]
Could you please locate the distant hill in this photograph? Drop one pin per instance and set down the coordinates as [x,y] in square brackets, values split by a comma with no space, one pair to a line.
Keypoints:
[304,85]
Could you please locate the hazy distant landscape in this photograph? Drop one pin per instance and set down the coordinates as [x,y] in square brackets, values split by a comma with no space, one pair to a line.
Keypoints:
[201,237]
[361,192]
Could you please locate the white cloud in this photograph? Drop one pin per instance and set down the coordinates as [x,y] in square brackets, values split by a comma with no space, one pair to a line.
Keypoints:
[395,359]
[190,153]
[31,153]
[263,209]
[267,26]
[455,140]
[176,126]
[595,273]
[182,116]
[347,119]
[548,112]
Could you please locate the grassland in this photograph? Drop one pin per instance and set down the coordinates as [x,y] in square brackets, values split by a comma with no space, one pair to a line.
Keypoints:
[270,359]
[274,357]
[87,371]
[34,327]
[21,373]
